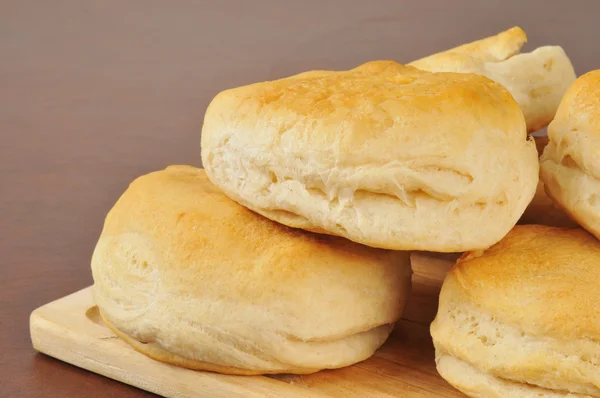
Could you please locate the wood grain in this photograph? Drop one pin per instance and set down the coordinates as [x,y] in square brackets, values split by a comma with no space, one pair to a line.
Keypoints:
[95,93]
[71,330]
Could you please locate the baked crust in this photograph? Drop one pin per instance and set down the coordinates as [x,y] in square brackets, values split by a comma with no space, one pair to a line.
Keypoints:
[537,80]
[207,284]
[570,166]
[524,312]
[385,155]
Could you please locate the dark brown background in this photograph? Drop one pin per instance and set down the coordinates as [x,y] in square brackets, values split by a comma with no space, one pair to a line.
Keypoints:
[95,93]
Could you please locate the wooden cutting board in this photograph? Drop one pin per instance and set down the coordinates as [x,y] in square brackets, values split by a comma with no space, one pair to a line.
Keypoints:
[70,329]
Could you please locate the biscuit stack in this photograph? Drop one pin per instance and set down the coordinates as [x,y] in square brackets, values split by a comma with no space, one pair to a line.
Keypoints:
[289,252]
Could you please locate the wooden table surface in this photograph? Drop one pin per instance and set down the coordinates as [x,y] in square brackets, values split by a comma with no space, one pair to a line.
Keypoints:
[95,93]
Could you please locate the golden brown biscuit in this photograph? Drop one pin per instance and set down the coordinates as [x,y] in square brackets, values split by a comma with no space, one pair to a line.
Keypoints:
[537,80]
[384,154]
[570,165]
[521,319]
[189,277]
